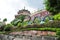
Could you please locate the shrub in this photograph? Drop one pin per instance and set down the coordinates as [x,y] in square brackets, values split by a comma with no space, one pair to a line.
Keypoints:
[52,24]
[58,33]
[2,26]
[56,17]
[8,27]
[58,38]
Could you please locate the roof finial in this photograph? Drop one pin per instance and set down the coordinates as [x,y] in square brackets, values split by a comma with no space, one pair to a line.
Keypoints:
[24,7]
[38,9]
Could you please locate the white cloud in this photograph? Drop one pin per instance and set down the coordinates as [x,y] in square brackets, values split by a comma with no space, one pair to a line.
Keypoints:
[8,8]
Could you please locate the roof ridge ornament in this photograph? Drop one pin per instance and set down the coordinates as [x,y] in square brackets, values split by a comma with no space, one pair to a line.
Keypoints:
[24,7]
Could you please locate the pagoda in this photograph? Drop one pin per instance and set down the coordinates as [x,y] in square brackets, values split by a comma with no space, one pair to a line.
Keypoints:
[23,12]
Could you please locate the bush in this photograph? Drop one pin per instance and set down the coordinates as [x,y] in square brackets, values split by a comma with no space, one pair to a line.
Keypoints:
[56,17]
[2,26]
[19,24]
[52,24]
[58,38]
[58,33]
[8,27]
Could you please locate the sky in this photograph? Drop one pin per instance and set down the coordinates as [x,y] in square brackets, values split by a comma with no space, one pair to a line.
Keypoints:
[9,8]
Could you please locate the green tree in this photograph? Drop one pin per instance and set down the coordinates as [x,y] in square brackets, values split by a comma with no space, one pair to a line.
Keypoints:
[21,17]
[15,22]
[4,20]
[52,6]
[18,20]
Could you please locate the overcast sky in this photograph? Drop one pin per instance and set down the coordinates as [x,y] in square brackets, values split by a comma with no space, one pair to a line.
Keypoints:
[9,8]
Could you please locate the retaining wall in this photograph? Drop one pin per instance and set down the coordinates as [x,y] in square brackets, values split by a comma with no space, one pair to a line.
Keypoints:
[26,37]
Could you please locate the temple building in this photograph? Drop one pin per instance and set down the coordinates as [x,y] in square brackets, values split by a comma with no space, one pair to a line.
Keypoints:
[41,15]
[23,12]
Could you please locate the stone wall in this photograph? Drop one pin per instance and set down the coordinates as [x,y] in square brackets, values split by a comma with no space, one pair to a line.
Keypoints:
[33,32]
[26,37]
